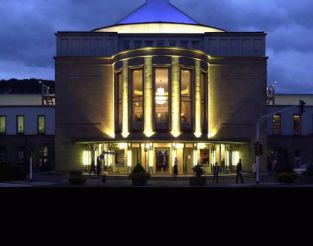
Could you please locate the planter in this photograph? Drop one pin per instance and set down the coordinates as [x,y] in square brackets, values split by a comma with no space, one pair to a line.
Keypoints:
[139,181]
[197,181]
[77,180]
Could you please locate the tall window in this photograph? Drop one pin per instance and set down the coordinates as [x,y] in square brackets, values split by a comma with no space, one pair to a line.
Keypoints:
[41,124]
[137,98]
[204,109]
[20,124]
[276,124]
[296,124]
[161,98]
[2,124]
[119,84]
[185,98]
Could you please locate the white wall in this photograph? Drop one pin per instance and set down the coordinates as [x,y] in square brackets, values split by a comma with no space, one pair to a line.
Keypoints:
[30,118]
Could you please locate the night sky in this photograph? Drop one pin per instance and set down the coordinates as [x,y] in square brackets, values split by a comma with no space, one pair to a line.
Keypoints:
[27,31]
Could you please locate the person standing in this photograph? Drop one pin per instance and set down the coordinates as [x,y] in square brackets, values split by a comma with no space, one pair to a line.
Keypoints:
[215,172]
[254,169]
[175,167]
[239,171]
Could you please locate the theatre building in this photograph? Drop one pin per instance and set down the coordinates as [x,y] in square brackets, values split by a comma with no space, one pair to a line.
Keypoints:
[155,86]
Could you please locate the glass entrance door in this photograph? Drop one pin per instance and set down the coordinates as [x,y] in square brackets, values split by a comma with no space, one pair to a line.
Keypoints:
[162,160]
[187,163]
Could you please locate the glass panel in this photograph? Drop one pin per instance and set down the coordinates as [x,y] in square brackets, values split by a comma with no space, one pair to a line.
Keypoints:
[149,43]
[2,124]
[296,124]
[203,100]
[195,44]
[120,98]
[276,124]
[162,159]
[41,124]
[161,98]
[137,98]
[184,44]
[20,124]
[119,158]
[185,95]
[137,44]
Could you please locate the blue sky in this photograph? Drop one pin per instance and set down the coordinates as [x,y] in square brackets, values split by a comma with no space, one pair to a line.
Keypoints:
[27,30]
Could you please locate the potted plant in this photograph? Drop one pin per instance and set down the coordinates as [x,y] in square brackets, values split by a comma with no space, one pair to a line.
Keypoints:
[139,176]
[198,180]
[76,178]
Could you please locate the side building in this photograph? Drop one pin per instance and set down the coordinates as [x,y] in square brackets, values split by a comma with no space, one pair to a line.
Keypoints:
[290,134]
[26,128]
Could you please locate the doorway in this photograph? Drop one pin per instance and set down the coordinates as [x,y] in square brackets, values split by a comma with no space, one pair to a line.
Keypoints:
[162,160]
[187,164]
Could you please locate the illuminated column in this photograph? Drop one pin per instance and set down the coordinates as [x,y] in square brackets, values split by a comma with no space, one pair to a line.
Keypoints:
[211,132]
[195,155]
[175,123]
[197,100]
[148,98]
[125,131]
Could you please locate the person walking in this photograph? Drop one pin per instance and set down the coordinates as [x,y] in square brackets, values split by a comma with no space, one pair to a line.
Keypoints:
[239,171]
[254,169]
[175,168]
[215,172]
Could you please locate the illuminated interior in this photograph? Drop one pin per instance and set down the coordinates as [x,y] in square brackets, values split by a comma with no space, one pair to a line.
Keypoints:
[161,98]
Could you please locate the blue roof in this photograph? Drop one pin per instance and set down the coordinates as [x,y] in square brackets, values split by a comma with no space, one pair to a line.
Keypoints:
[157,11]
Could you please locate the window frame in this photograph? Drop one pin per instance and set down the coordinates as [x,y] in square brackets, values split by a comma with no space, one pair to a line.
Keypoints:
[17,125]
[300,125]
[204,122]
[118,127]
[5,124]
[45,125]
[192,98]
[167,66]
[273,124]
[130,97]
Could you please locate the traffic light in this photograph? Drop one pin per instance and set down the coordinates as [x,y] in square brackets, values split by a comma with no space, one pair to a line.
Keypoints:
[301,107]
[256,148]
[260,149]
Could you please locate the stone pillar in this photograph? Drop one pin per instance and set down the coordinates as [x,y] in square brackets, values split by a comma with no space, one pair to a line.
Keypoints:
[148,98]
[125,129]
[175,97]
[198,128]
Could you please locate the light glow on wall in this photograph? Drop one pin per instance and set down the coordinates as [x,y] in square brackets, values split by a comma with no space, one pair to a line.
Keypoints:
[86,157]
[129,158]
[175,97]
[125,131]
[148,98]
[197,100]
[235,157]
[159,28]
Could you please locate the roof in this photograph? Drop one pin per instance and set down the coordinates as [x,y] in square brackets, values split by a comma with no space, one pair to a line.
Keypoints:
[157,11]
[293,99]
[20,100]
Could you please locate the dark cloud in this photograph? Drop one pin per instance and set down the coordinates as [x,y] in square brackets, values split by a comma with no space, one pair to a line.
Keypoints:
[28,43]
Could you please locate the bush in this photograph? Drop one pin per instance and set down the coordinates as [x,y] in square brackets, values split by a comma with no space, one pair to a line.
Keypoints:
[77,178]
[198,170]
[286,177]
[8,172]
[139,175]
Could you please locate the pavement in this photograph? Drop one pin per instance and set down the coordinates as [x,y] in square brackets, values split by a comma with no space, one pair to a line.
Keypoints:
[50,179]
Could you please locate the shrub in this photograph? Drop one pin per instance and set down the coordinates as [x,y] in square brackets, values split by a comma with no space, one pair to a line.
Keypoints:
[9,172]
[139,175]
[198,170]
[286,177]
[77,178]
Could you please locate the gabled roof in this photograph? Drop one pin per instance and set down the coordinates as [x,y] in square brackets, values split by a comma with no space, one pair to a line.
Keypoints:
[157,11]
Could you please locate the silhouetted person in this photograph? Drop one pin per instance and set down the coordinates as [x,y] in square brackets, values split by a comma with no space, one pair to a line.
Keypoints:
[222,166]
[254,169]
[239,171]
[175,168]
[92,168]
[215,172]
[98,166]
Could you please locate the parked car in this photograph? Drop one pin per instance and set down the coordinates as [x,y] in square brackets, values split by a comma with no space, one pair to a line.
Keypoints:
[301,170]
